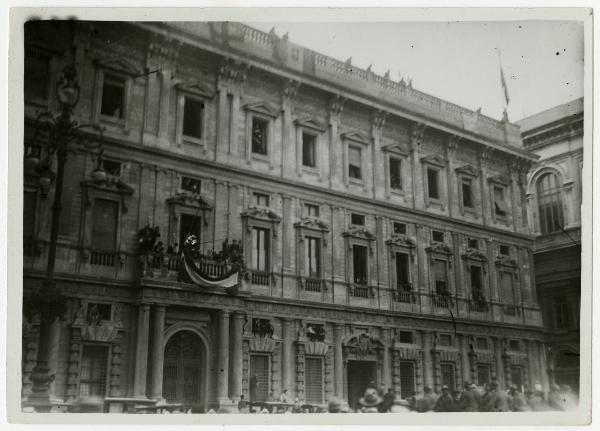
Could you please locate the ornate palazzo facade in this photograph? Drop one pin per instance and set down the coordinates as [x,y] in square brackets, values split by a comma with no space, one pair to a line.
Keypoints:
[384,232]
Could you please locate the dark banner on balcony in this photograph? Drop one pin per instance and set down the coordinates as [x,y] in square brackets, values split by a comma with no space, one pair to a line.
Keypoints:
[197,276]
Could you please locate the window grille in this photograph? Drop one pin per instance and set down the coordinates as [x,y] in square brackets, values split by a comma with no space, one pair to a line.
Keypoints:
[93,371]
[549,203]
[314,380]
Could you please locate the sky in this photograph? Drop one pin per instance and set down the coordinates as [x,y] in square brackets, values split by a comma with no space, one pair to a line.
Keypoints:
[459,61]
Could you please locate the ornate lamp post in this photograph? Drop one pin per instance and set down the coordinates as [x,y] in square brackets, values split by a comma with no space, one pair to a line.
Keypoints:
[57,135]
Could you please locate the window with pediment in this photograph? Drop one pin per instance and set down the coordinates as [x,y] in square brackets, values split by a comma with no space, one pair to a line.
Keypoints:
[114,79]
[467,188]
[433,170]
[475,267]
[261,231]
[259,125]
[401,249]
[354,152]
[395,169]
[312,235]
[192,103]
[359,243]
[500,198]
[308,145]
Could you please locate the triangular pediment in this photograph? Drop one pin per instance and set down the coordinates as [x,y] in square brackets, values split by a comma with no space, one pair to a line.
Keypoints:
[355,137]
[396,149]
[467,170]
[261,108]
[198,88]
[499,179]
[435,160]
[119,64]
[310,123]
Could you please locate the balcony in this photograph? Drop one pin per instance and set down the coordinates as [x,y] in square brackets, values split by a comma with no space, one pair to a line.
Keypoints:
[310,284]
[405,297]
[166,266]
[260,278]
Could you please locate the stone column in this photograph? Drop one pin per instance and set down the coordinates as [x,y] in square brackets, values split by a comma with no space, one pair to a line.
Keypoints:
[223,358]
[465,359]
[499,351]
[416,134]
[338,365]
[158,351]
[237,329]
[427,360]
[141,352]
[287,361]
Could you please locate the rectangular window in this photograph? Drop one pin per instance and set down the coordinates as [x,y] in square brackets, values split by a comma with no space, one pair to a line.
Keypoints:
[312,210]
[505,250]
[192,117]
[395,166]
[406,337]
[441,281]
[399,228]
[112,168]
[483,374]
[259,136]
[448,372]
[500,206]
[516,377]
[445,340]
[473,243]
[309,150]
[357,219]
[313,257]
[314,380]
[189,225]
[37,76]
[113,96]
[93,373]
[360,262]
[402,275]
[104,225]
[354,163]
[259,378]
[407,379]
[437,236]
[191,185]
[506,286]
[261,200]
[315,331]
[260,249]
[467,194]
[432,183]
[476,278]
[562,312]
[98,311]
[514,345]
[29,210]
[481,343]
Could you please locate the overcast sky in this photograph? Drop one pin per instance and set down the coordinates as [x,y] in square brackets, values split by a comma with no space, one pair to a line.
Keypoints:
[458,61]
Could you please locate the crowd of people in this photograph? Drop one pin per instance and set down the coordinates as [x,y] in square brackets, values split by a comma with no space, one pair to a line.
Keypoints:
[470,399]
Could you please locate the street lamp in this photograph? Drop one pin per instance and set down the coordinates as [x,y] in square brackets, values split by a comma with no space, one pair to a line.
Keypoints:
[56,135]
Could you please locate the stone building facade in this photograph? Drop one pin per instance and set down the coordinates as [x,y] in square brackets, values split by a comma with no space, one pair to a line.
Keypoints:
[554,191]
[384,231]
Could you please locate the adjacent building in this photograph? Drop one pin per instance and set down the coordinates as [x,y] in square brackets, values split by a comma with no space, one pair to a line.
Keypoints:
[554,192]
[384,231]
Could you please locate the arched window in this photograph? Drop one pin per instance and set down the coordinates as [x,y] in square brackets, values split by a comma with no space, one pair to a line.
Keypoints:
[550,203]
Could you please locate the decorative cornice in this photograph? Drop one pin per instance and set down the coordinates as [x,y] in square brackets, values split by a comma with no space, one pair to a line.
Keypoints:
[401,240]
[467,170]
[355,137]
[118,64]
[312,223]
[435,160]
[261,214]
[359,232]
[439,247]
[310,123]
[474,254]
[396,149]
[261,108]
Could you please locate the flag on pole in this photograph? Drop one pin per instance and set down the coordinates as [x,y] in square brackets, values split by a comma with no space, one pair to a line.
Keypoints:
[504,87]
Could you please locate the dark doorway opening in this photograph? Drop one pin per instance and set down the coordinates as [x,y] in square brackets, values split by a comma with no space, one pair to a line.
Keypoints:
[361,374]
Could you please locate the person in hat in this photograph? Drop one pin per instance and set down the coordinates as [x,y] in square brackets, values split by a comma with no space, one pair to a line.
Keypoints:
[470,399]
[517,401]
[370,401]
[388,401]
[497,401]
[445,403]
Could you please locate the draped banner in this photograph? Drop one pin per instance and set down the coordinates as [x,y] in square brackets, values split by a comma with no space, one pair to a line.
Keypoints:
[197,276]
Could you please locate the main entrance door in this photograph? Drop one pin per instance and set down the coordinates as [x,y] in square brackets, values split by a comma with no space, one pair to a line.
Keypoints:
[360,375]
[182,371]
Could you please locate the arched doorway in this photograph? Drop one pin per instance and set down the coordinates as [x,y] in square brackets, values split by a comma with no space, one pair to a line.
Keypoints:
[183,370]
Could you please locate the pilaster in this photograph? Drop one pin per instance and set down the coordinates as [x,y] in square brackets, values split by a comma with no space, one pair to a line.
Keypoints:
[141,351]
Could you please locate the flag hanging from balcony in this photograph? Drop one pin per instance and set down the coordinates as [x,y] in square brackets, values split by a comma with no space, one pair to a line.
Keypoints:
[225,276]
